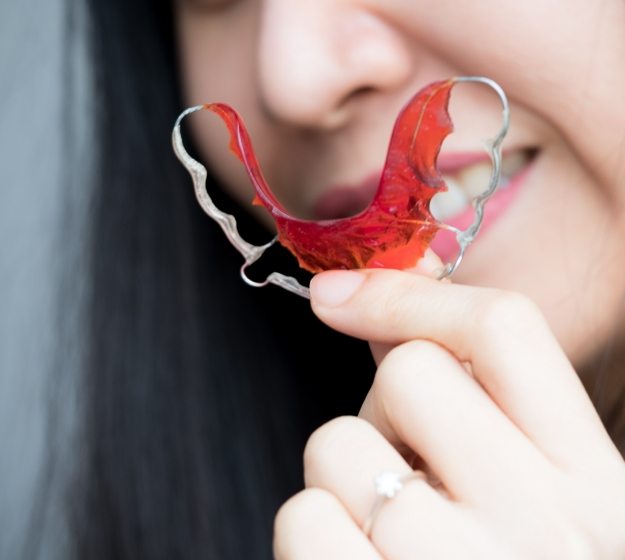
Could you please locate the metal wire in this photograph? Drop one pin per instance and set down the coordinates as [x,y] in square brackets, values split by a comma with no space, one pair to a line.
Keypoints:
[251,253]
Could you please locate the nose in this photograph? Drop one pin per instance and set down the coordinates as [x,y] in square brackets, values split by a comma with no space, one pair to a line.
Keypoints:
[317,57]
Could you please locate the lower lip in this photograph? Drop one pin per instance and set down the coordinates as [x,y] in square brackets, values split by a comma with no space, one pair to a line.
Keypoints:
[345,201]
[445,244]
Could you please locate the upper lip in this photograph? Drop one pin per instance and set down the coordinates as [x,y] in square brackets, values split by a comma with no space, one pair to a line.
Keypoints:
[449,163]
[348,199]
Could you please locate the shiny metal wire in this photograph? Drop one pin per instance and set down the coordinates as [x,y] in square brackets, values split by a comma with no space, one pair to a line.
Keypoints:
[251,253]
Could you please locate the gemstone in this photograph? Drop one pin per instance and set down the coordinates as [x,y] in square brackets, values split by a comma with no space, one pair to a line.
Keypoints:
[387,484]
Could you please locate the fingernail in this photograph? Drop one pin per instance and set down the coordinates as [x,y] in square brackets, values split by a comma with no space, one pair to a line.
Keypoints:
[333,288]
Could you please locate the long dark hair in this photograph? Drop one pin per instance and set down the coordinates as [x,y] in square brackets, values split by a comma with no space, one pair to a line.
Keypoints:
[199,392]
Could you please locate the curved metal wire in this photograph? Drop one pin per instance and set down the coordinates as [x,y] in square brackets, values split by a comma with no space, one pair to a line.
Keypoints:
[251,253]
[227,222]
[465,237]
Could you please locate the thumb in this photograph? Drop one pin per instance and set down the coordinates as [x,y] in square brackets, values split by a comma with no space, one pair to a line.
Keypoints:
[429,265]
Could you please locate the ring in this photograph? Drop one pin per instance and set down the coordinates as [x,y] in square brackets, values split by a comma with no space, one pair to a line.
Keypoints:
[387,485]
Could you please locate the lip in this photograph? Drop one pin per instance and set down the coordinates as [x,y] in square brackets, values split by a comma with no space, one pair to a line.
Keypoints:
[449,163]
[445,245]
[342,201]
[346,200]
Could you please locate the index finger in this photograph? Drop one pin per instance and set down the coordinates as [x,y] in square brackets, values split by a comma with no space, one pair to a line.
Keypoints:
[503,335]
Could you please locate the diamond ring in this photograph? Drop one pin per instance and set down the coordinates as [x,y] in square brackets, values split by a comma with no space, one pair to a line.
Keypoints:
[387,485]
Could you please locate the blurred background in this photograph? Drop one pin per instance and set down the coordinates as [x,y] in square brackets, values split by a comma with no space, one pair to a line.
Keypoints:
[39,199]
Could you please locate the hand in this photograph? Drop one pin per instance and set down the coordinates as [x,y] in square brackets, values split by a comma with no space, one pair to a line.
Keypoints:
[472,385]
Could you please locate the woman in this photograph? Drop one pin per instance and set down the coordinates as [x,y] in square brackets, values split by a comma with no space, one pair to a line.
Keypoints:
[201,392]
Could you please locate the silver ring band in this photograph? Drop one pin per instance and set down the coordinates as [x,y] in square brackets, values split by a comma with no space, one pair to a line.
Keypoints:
[387,485]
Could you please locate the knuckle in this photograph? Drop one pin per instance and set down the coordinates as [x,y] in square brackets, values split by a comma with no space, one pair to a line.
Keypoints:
[506,313]
[327,442]
[413,351]
[296,515]
[290,514]
[410,363]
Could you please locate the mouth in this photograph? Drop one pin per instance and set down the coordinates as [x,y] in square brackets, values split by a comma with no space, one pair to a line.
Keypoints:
[466,182]
[467,177]
[344,201]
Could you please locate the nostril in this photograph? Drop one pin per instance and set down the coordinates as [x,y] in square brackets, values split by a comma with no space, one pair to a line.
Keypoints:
[315,64]
[357,94]
[362,92]
[342,109]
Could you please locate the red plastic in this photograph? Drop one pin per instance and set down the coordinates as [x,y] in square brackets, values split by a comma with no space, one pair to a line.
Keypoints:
[397,227]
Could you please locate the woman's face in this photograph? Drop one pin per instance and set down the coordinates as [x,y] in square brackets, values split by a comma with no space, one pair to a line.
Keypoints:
[320,82]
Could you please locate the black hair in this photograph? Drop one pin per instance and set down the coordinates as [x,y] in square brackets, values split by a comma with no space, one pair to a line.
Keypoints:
[199,392]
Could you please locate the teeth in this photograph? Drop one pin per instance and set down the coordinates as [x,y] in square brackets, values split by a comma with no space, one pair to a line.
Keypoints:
[446,204]
[513,163]
[471,181]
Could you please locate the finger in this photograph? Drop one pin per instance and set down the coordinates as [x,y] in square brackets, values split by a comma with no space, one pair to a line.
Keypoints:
[408,527]
[345,456]
[423,397]
[509,345]
[430,265]
[314,525]
[379,351]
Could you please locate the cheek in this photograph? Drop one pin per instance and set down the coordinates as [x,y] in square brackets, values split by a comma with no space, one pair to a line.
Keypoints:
[216,53]
[217,65]
[565,67]
[563,244]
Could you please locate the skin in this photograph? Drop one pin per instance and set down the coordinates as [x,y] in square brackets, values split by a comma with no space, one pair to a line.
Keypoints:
[527,470]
